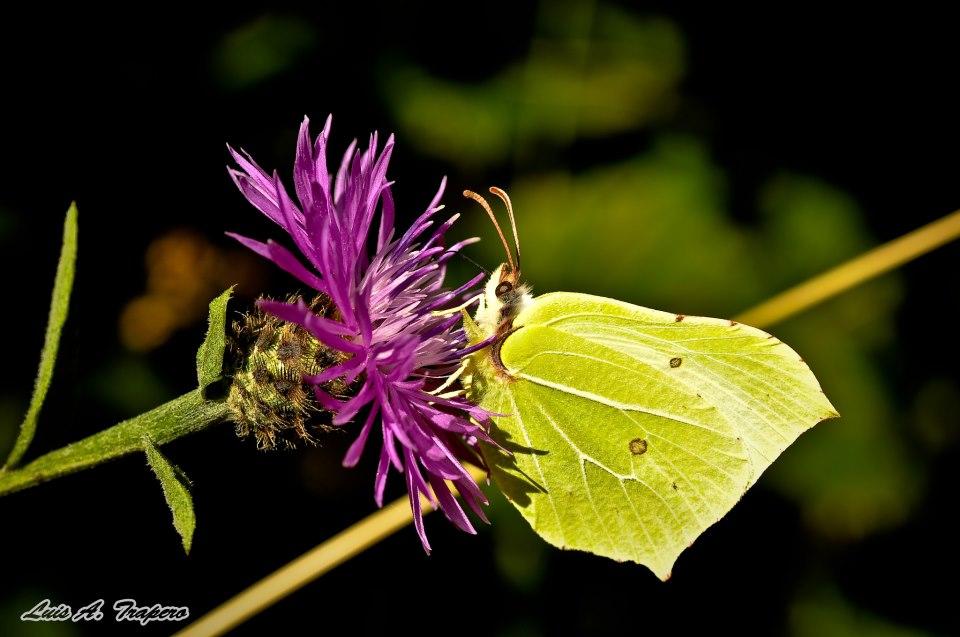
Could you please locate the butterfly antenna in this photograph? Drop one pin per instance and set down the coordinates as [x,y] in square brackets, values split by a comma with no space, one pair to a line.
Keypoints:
[513,222]
[463,256]
[506,246]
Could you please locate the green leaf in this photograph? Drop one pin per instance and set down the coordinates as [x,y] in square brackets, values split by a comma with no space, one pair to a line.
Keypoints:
[210,354]
[59,305]
[175,489]
[634,430]
[180,417]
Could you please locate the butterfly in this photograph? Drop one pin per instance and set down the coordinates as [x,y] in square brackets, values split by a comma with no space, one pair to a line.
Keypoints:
[629,430]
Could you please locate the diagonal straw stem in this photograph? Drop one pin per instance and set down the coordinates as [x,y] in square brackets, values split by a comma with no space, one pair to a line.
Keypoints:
[854,272]
[311,565]
[395,516]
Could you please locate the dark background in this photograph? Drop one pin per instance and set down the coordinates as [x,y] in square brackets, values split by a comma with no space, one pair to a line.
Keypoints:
[804,134]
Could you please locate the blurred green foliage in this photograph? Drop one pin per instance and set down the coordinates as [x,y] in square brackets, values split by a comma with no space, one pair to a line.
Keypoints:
[827,614]
[592,71]
[521,554]
[855,475]
[641,229]
[129,385]
[935,414]
[260,49]
[12,607]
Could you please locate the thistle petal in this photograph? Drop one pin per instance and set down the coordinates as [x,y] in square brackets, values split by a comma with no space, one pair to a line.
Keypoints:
[395,320]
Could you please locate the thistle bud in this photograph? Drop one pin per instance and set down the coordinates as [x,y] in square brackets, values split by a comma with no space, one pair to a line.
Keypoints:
[268,397]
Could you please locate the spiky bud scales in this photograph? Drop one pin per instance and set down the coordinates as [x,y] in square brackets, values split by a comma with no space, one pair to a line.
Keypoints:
[268,398]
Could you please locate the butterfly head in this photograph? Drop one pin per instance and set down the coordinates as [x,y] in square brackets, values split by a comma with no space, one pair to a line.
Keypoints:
[505,293]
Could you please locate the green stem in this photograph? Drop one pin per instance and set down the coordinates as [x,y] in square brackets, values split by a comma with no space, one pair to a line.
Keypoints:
[184,415]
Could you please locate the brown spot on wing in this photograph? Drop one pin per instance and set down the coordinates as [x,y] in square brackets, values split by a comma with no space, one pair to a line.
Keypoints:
[679,318]
[638,446]
[676,362]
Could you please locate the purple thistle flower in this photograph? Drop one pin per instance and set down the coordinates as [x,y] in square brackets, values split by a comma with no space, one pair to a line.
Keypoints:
[401,347]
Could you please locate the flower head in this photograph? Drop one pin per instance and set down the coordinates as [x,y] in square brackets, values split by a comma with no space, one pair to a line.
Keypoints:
[389,297]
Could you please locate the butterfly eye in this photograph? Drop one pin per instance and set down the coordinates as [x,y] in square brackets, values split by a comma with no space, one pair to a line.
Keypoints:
[504,288]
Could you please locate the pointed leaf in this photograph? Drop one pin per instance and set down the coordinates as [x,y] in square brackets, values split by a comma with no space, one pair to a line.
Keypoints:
[59,304]
[210,354]
[174,483]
